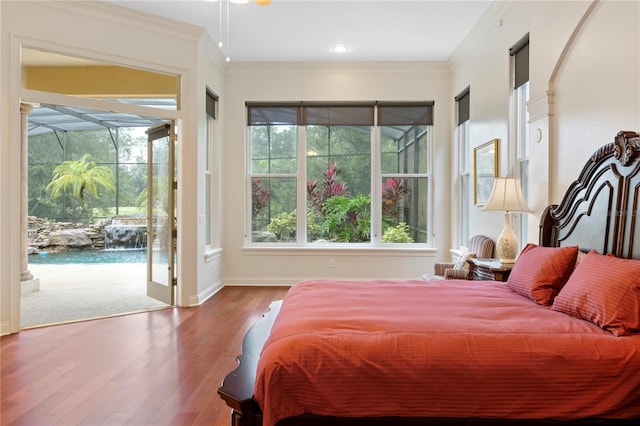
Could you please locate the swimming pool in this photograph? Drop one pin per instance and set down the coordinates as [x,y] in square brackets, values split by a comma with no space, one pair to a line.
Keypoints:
[90,256]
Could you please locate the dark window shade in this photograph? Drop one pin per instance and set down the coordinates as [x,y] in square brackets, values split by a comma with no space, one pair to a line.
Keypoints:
[273,114]
[520,52]
[404,114]
[338,115]
[463,100]
[211,104]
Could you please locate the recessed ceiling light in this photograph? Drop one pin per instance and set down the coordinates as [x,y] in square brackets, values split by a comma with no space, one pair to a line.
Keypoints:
[340,48]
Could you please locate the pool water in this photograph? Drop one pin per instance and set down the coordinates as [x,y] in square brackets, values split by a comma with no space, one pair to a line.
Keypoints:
[90,256]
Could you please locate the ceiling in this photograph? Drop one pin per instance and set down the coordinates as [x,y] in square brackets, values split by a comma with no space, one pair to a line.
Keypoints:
[287,30]
[306,30]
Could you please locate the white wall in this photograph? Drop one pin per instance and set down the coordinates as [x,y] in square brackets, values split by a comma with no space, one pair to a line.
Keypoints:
[107,33]
[583,52]
[597,89]
[319,82]
[5,273]
[209,259]
[482,62]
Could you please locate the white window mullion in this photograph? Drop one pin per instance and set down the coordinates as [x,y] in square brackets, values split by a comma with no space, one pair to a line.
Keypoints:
[520,152]
[210,238]
[430,185]
[376,187]
[247,198]
[301,187]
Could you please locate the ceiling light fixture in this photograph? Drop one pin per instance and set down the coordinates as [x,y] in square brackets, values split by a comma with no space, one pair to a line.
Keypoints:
[220,43]
[340,48]
[258,2]
[227,25]
[228,59]
[224,24]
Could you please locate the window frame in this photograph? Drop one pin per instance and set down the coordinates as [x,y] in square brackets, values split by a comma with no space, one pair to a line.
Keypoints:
[464,164]
[519,131]
[301,182]
[521,160]
[428,175]
[211,171]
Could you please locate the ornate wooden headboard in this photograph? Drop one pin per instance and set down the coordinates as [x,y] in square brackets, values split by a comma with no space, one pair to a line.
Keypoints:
[599,209]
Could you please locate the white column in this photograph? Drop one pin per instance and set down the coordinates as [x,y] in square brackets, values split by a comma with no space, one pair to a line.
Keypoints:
[539,197]
[25,110]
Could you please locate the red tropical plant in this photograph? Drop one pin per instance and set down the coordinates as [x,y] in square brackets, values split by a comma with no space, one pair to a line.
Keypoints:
[331,187]
[259,196]
[393,192]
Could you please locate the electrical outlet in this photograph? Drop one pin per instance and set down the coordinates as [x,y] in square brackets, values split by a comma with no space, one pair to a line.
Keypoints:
[331,263]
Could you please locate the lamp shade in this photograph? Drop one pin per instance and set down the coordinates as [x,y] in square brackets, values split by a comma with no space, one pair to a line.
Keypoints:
[506,196]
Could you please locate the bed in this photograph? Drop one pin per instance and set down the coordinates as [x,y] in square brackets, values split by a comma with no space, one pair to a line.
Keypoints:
[559,343]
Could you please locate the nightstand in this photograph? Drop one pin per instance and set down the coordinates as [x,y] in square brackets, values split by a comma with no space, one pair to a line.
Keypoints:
[489,270]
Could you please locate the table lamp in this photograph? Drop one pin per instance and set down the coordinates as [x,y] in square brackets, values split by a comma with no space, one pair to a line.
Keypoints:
[506,196]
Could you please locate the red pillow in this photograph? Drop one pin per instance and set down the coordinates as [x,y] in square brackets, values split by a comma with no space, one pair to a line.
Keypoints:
[606,291]
[540,272]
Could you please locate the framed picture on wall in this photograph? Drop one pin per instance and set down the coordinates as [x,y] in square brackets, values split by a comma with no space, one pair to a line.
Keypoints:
[485,170]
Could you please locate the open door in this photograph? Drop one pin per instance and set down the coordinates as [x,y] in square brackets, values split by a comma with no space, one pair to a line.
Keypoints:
[161,220]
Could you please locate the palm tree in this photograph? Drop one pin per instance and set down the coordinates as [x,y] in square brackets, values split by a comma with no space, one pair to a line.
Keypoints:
[79,177]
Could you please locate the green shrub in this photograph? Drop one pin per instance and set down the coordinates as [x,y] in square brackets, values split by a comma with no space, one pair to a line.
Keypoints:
[283,224]
[348,219]
[397,234]
[314,228]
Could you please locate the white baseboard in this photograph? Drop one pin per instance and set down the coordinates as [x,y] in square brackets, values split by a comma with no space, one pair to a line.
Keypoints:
[259,282]
[4,328]
[205,295]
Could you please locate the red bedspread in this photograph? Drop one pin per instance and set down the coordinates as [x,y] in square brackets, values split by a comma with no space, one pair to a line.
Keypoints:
[440,349]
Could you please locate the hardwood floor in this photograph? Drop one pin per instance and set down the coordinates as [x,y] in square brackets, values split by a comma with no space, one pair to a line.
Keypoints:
[155,368]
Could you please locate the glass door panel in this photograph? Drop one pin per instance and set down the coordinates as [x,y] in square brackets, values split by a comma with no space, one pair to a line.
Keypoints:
[161,213]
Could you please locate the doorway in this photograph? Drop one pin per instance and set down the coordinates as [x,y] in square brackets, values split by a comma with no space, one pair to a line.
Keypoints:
[85,95]
[89,252]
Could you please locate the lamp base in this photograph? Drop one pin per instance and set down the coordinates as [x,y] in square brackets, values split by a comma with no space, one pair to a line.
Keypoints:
[507,244]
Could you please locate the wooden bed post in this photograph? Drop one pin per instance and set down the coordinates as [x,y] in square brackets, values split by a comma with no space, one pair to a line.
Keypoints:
[547,236]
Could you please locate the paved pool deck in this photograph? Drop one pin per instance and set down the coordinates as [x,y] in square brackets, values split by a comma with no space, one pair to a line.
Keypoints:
[77,292]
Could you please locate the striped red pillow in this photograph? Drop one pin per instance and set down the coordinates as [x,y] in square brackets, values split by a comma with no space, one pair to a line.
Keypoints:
[606,291]
[540,272]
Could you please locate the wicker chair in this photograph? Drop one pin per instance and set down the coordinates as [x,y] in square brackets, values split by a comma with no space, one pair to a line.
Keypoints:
[480,246]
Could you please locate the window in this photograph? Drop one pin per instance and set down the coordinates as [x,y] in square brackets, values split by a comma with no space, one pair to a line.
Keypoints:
[211,105]
[317,169]
[520,96]
[464,163]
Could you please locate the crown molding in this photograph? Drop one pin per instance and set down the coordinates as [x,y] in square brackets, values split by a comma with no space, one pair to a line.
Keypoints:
[133,18]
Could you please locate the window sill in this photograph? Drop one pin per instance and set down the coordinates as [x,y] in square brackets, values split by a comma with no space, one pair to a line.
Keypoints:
[211,254]
[343,250]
